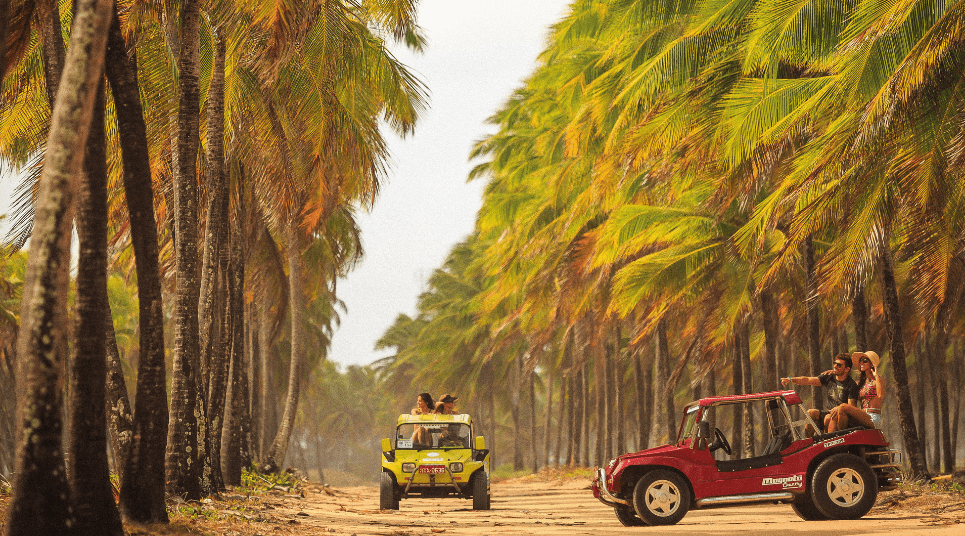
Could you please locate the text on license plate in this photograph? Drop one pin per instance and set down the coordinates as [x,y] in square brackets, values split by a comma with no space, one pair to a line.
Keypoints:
[432,469]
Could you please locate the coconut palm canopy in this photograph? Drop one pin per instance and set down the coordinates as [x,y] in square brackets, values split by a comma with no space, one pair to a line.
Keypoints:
[683,199]
[225,133]
[714,191]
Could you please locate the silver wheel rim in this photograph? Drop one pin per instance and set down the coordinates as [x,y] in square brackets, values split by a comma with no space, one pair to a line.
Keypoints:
[845,487]
[662,498]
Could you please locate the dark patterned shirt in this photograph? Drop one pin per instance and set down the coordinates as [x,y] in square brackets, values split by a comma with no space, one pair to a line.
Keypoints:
[838,392]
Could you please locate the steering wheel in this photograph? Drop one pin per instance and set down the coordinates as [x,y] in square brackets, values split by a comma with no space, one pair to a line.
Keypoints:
[720,442]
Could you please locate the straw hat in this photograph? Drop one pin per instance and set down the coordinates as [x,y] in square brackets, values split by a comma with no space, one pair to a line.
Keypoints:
[869,354]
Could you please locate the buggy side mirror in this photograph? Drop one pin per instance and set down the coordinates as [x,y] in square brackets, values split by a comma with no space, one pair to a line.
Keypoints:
[479,451]
[703,434]
[387,451]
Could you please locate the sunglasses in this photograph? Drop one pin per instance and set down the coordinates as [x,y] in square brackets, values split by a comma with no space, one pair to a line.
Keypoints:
[864,360]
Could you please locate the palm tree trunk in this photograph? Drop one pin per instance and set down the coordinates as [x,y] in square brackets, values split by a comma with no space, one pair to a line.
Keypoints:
[640,402]
[236,433]
[609,396]
[229,454]
[859,315]
[120,420]
[659,400]
[52,41]
[600,388]
[934,459]
[320,458]
[213,325]
[667,391]
[747,420]
[40,503]
[940,353]
[214,306]
[921,373]
[217,210]
[583,415]
[893,322]
[490,397]
[269,355]
[242,414]
[569,399]
[8,403]
[558,451]
[271,325]
[936,414]
[143,501]
[812,304]
[187,435]
[276,454]
[738,373]
[515,396]
[958,366]
[621,445]
[710,389]
[770,318]
[87,465]
[649,397]
[571,445]
[789,350]
[253,348]
[548,423]
[219,377]
[534,442]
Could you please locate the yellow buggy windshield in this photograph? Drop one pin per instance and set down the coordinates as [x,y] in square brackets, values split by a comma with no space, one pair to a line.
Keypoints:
[418,436]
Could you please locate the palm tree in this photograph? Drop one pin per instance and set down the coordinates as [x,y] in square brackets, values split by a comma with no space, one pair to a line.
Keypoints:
[87,466]
[309,151]
[236,439]
[186,459]
[12,270]
[40,503]
[144,459]
[213,290]
[297,306]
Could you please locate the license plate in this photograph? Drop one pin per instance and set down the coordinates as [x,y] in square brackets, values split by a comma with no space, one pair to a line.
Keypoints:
[432,469]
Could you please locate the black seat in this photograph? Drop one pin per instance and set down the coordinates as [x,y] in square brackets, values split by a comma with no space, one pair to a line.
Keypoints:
[778,443]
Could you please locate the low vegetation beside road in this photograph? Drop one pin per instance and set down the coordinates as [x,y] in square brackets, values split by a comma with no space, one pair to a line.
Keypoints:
[290,504]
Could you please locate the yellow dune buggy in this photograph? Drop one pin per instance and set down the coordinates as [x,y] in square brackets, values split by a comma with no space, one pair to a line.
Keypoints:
[434,456]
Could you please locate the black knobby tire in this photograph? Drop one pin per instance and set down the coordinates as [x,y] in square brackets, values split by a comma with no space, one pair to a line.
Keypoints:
[803,506]
[661,497]
[628,517]
[844,487]
[480,492]
[388,500]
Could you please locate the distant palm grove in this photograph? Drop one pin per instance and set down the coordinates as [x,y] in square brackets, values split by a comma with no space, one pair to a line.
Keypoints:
[695,198]
[686,198]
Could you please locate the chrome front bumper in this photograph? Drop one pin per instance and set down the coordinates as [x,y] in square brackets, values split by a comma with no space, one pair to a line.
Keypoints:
[606,497]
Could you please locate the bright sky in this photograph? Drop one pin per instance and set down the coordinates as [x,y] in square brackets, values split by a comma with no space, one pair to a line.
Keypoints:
[479,52]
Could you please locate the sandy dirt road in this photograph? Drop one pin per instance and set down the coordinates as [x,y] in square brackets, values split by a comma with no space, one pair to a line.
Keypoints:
[556,507]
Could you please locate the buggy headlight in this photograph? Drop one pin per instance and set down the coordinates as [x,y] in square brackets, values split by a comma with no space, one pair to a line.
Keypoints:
[455,467]
[408,467]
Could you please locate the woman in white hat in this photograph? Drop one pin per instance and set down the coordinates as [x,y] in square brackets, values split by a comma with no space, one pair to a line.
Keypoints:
[871,391]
